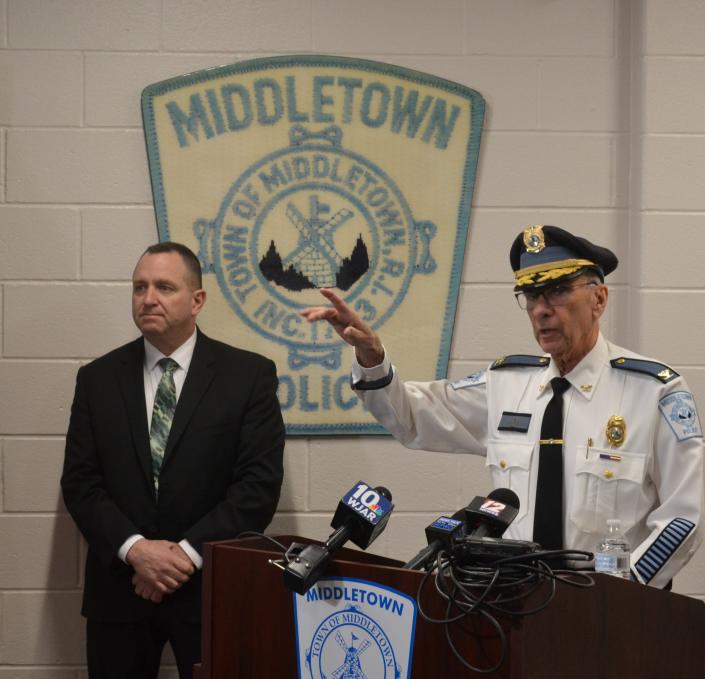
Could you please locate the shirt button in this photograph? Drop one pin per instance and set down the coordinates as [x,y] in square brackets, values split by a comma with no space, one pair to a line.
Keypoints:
[503,464]
[609,473]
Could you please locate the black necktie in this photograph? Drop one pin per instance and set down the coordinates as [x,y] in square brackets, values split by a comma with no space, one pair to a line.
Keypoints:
[548,513]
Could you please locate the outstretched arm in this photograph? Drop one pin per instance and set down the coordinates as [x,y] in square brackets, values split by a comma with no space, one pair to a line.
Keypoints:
[368,345]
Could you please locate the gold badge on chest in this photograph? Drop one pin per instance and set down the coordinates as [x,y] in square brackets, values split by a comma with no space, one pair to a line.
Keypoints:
[616,431]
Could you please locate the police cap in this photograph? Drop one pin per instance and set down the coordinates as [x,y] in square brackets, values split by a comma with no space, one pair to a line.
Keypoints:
[544,255]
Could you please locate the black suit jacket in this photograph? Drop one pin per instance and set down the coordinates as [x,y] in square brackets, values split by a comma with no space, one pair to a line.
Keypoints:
[221,474]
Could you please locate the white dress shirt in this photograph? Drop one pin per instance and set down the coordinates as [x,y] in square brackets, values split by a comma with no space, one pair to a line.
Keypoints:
[152,376]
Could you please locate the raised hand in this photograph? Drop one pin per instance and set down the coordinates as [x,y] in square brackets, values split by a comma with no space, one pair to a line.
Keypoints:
[367,343]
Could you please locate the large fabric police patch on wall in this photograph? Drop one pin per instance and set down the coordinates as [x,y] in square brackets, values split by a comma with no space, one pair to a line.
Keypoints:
[290,174]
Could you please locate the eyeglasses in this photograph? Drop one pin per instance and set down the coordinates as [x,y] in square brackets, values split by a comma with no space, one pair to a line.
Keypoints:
[556,295]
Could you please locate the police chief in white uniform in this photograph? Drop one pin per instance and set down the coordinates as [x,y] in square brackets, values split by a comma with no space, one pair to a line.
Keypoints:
[632,445]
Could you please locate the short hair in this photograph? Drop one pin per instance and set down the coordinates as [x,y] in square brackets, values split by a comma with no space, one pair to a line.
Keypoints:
[190,260]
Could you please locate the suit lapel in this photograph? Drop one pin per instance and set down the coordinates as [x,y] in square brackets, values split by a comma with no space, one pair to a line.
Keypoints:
[131,379]
[200,375]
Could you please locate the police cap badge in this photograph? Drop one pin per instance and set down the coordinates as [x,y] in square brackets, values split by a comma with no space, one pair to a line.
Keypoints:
[544,255]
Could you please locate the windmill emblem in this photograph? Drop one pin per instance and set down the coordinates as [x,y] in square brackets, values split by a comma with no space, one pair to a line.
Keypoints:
[314,215]
[351,667]
[315,262]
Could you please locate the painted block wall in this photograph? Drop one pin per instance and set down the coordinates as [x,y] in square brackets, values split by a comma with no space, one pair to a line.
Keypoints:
[595,122]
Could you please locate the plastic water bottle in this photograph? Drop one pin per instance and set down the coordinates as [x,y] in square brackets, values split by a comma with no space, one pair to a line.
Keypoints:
[612,554]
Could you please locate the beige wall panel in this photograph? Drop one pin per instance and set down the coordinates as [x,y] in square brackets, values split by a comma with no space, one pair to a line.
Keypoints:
[3,23]
[489,323]
[673,173]
[84,24]
[66,321]
[460,369]
[671,326]
[405,532]
[673,250]
[294,495]
[113,239]
[38,552]
[39,243]
[31,474]
[315,526]
[532,27]
[552,169]
[42,628]
[690,579]
[36,396]
[29,79]
[77,166]
[3,165]
[673,27]
[582,94]
[222,25]
[394,26]
[674,94]
[474,478]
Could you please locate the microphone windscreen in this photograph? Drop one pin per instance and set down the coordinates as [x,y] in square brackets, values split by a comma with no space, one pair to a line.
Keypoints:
[505,496]
[385,492]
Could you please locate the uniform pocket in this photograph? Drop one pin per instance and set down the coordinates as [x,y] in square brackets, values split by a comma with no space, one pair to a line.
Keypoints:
[607,486]
[509,463]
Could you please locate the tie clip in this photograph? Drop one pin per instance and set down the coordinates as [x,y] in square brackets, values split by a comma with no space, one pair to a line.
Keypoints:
[550,442]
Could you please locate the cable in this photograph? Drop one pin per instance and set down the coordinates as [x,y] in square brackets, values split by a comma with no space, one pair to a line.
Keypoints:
[472,584]
[255,534]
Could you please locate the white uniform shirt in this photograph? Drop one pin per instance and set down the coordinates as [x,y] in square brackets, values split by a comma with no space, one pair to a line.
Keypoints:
[652,482]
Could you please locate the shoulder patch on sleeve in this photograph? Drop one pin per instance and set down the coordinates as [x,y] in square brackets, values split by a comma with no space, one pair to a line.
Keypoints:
[678,409]
[521,361]
[480,377]
[658,370]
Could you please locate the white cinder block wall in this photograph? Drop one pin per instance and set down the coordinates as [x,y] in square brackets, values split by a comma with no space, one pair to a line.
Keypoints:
[595,121]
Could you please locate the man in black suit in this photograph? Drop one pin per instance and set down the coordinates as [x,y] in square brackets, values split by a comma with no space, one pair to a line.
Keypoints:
[174,440]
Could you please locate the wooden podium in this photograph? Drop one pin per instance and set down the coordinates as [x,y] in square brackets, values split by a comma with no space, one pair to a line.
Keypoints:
[614,630]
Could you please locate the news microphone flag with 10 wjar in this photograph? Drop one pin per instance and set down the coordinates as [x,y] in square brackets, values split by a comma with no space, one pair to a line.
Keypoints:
[362,514]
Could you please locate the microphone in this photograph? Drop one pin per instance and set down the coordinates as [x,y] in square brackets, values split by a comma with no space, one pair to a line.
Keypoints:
[487,519]
[441,534]
[490,516]
[362,514]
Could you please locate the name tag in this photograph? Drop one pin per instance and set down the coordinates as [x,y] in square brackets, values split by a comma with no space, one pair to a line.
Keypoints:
[514,422]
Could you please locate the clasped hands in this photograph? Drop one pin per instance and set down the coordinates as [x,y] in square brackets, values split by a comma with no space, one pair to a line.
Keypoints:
[160,566]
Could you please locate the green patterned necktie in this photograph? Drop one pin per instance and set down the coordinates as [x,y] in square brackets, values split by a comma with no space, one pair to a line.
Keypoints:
[162,415]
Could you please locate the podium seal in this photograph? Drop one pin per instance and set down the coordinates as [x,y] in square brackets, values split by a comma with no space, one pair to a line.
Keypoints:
[352,629]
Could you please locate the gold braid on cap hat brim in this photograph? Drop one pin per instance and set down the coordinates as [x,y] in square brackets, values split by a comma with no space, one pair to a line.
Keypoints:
[543,273]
